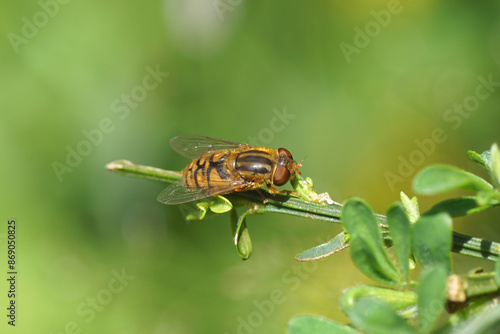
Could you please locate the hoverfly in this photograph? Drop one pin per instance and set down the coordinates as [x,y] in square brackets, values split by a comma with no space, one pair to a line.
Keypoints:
[221,166]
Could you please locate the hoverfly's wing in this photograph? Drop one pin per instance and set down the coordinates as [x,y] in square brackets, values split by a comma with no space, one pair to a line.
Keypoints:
[192,146]
[177,193]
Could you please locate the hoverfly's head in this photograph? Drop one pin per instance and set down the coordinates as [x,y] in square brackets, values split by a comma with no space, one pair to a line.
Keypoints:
[285,168]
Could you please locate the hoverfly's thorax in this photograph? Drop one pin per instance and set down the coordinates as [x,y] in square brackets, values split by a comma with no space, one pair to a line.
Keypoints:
[254,163]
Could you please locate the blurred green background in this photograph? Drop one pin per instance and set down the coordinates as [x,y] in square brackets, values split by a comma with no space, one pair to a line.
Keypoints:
[354,88]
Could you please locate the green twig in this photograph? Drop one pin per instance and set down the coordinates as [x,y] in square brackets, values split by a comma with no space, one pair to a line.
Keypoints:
[127,168]
[462,244]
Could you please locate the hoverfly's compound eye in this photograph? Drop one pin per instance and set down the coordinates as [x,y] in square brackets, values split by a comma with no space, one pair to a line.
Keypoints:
[283,152]
[281,175]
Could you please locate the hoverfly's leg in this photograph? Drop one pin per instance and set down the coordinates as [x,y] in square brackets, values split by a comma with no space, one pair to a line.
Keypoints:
[264,199]
[272,190]
[275,191]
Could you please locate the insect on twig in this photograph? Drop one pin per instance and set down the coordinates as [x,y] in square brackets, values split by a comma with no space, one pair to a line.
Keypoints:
[221,166]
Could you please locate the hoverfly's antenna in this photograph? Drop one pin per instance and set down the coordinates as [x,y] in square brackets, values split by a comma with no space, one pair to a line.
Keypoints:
[300,163]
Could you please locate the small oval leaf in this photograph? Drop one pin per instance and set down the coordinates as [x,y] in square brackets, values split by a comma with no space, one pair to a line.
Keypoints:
[432,240]
[457,207]
[431,293]
[328,248]
[399,227]
[367,247]
[438,179]
[484,159]
[403,302]
[220,204]
[375,316]
[241,236]
[194,211]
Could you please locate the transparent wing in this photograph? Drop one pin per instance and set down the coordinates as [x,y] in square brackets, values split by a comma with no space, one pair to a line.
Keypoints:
[192,146]
[177,193]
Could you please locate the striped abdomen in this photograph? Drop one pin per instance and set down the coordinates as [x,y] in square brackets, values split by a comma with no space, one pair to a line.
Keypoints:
[208,171]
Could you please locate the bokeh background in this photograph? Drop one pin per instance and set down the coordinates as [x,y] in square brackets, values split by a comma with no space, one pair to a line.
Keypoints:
[350,87]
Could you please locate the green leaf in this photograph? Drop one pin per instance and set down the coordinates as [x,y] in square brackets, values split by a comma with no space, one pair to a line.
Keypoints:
[194,211]
[403,302]
[367,247]
[199,210]
[483,159]
[487,322]
[375,316]
[457,207]
[220,204]
[399,227]
[241,236]
[308,324]
[328,248]
[495,165]
[431,293]
[438,179]
[410,206]
[432,240]
[497,273]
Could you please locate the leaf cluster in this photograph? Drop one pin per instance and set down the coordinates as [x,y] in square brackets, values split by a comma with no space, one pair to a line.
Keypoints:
[439,301]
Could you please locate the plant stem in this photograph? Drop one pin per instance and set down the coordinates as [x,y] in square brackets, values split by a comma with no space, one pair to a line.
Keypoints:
[293,206]
[127,168]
